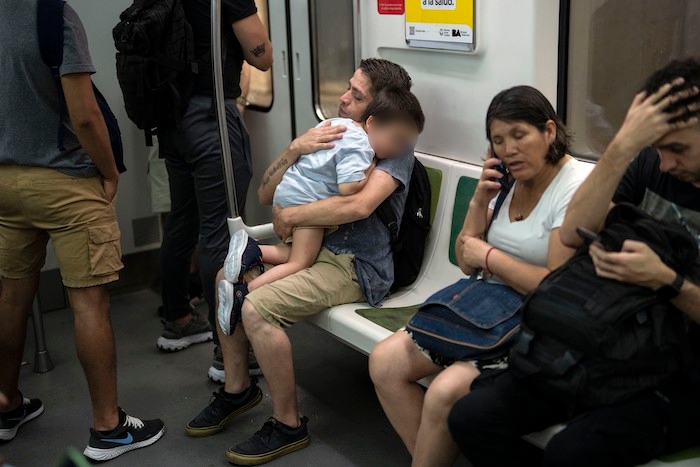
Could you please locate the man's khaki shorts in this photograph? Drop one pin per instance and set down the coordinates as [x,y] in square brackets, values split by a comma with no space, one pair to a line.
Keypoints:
[330,281]
[39,203]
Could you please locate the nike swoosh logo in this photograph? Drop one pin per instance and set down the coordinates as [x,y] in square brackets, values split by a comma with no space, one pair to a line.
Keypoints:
[18,419]
[127,440]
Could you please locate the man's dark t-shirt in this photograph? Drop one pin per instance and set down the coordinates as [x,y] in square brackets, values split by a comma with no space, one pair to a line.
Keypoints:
[198,13]
[666,198]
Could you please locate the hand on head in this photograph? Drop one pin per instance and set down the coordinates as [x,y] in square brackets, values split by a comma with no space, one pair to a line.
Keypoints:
[648,120]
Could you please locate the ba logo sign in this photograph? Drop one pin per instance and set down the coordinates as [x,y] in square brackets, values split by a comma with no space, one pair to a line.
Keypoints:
[455,33]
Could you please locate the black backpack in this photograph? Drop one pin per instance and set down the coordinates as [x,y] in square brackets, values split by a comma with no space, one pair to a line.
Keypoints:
[594,341]
[408,240]
[156,67]
[50,33]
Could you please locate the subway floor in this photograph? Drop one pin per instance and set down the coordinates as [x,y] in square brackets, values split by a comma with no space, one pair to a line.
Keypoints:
[347,425]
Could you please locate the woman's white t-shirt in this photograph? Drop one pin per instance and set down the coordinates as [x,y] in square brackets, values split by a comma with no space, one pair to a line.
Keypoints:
[528,240]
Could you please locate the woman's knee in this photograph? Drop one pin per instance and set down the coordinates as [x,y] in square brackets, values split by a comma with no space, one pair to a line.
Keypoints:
[450,386]
[440,398]
[385,360]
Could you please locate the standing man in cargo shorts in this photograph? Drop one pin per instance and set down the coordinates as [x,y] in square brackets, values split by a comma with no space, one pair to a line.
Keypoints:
[65,195]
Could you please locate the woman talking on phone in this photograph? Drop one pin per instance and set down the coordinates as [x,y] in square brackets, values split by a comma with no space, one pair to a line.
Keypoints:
[509,242]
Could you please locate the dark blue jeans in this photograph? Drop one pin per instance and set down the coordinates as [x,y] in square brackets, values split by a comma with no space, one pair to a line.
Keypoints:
[198,198]
[488,425]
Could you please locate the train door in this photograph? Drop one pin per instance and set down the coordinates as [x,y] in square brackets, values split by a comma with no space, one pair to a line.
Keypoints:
[314,55]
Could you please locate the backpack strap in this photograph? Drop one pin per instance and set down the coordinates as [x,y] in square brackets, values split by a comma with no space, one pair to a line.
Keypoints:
[499,202]
[386,214]
[388,218]
[49,22]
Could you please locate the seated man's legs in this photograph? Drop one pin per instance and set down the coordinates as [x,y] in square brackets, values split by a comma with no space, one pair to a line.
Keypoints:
[266,312]
[239,393]
[631,433]
[488,423]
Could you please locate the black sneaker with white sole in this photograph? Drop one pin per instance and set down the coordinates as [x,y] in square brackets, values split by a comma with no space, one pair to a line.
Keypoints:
[10,421]
[222,408]
[275,439]
[174,337]
[131,433]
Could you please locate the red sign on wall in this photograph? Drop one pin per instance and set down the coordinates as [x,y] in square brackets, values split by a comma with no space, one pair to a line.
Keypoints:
[391,7]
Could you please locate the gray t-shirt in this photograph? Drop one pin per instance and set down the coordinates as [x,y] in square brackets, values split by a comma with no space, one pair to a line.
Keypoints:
[28,94]
[369,239]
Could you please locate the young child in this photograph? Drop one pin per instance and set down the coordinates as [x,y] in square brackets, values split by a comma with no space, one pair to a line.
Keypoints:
[389,129]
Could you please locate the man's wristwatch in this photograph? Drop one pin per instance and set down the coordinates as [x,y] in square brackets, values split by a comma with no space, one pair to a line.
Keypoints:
[242,101]
[673,289]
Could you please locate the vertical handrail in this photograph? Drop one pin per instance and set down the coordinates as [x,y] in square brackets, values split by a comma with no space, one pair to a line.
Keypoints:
[218,82]
[42,359]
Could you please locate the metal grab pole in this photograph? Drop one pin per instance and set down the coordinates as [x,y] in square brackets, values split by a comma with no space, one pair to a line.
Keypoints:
[218,82]
[235,222]
[42,359]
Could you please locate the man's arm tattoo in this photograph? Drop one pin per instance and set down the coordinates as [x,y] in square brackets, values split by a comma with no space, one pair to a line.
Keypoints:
[259,50]
[276,168]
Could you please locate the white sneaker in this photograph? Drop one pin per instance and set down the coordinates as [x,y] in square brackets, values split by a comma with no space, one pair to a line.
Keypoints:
[223,311]
[232,263]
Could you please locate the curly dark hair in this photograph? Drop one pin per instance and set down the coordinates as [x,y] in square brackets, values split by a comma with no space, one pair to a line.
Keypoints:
[689,70]
[527,104]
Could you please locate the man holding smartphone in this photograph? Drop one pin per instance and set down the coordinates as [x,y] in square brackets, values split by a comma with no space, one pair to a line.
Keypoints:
[653,162]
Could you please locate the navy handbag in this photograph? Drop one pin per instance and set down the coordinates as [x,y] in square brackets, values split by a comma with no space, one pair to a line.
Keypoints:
[469,320]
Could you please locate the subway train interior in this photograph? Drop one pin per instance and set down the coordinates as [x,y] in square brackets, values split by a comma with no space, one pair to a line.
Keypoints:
[588,57]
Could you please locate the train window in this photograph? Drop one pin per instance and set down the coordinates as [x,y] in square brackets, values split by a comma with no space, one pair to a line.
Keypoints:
[333,44]
[260,89]
[613,45]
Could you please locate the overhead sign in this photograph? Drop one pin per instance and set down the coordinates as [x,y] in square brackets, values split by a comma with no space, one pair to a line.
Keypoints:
[440,24]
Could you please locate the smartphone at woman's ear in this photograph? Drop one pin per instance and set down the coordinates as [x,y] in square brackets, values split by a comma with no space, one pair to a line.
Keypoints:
[506,181]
